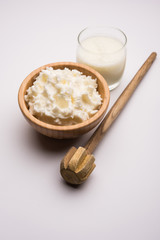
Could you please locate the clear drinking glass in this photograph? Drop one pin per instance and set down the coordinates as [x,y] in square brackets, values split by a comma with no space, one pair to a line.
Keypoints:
[104,49]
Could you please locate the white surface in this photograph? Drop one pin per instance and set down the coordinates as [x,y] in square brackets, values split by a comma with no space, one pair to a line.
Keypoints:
[121,198]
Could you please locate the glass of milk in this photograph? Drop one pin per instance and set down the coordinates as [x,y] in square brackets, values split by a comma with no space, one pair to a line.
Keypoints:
[104,49]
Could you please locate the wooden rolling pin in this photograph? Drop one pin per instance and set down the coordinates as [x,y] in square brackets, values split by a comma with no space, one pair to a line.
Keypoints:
[78,164]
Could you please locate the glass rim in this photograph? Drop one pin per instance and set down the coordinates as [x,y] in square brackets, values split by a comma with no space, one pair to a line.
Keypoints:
[106,27]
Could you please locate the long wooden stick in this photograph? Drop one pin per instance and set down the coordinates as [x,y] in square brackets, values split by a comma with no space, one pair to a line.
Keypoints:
[119,104]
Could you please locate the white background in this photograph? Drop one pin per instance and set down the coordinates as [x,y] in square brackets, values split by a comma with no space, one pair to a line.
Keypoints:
[121,199]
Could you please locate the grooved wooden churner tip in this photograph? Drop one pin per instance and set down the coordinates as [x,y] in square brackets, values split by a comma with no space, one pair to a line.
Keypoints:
[78,164]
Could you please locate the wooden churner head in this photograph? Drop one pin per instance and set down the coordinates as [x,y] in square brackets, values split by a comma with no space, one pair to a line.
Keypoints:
[77,165]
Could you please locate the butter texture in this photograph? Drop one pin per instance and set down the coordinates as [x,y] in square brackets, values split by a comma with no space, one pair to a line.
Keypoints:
[63,97]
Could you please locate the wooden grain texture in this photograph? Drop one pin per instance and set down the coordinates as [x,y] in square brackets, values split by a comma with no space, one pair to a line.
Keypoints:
[73,131]
[77,165]
[119,104]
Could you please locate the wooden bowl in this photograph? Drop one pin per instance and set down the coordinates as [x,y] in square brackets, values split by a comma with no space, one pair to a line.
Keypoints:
[72,131]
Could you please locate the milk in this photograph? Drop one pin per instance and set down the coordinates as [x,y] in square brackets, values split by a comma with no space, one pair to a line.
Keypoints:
[106,55]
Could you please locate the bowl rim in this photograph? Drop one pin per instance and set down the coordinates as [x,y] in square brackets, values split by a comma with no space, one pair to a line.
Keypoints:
[94,118]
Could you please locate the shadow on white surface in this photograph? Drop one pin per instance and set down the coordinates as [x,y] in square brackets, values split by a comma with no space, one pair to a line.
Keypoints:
[53,145]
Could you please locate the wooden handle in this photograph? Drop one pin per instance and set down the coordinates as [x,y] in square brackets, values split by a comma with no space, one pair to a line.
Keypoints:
[119,104]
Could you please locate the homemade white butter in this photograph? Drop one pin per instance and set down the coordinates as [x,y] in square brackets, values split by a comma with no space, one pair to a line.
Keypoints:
[63,97]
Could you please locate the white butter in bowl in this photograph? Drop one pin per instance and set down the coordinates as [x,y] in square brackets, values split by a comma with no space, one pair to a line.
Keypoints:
[63,97]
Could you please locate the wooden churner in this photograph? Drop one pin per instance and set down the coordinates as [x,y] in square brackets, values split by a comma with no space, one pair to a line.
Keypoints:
[78,164]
